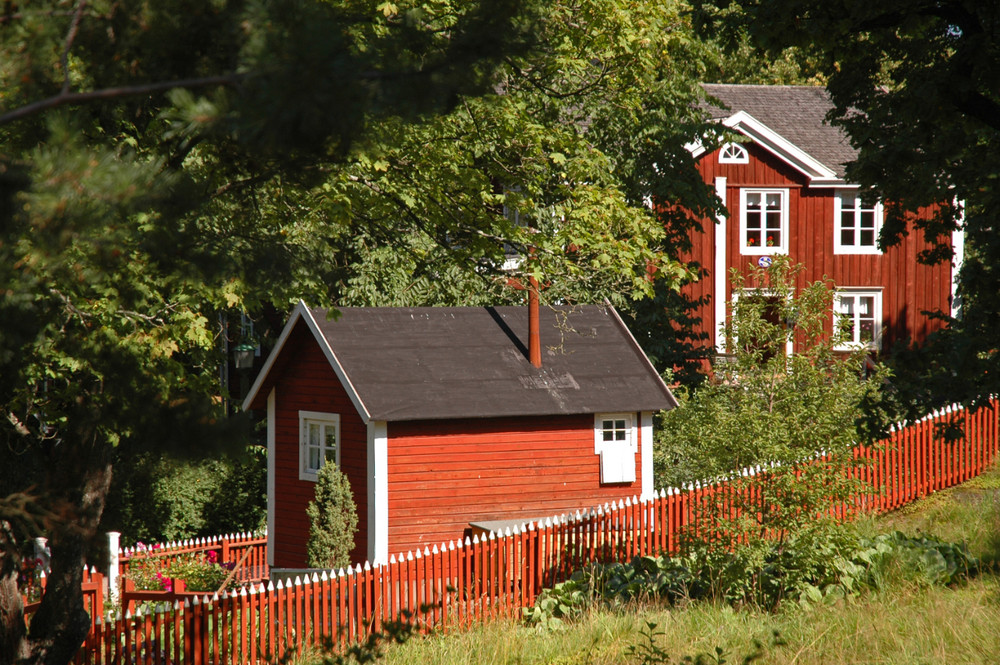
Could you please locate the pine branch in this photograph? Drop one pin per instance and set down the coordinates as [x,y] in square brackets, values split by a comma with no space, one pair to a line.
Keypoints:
[71,98]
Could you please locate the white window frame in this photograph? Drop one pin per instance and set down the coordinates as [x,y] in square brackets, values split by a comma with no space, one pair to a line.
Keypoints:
[733,153]
[838,227]
[764,248]
[324,420]
[855,293]
[627,446]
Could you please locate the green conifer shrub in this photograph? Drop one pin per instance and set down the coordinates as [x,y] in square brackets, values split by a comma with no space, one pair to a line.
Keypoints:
[333,520]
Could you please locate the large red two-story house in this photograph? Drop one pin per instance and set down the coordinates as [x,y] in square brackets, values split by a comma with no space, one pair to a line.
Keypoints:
[783,184]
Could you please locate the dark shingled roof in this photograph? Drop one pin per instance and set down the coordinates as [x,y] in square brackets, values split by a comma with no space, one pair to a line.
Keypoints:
[470,362]
[796,112]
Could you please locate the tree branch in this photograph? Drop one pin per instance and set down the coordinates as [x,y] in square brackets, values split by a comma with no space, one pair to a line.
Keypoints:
[70,38]
[69,98]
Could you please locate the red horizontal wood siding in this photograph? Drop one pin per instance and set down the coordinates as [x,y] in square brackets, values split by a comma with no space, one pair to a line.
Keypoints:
[909,288]
[445,474]
[308,383]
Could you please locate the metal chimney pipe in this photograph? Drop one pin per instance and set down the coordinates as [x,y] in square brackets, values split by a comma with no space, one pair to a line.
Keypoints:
[534,341]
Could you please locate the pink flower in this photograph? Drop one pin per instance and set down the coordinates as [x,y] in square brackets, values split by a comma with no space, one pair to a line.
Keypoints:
[212,556]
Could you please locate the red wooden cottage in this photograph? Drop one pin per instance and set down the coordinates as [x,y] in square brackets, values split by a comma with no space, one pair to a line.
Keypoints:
[782,182]
[441,422]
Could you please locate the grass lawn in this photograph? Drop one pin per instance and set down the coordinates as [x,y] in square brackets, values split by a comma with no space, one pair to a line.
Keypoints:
[904,623]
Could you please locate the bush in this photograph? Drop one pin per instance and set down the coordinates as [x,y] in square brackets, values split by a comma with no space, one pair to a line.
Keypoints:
[333,520]
[162,499]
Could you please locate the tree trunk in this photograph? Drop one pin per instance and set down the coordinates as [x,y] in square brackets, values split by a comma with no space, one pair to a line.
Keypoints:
[13,645]
[78,487]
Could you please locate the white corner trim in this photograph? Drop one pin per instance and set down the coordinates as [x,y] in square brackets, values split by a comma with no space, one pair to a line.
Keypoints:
[647,491]
[781,147]
[378,492]
[271,454]
[720,268]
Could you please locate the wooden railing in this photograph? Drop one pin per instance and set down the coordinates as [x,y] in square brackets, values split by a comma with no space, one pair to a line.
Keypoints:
[457,584]
[245,551]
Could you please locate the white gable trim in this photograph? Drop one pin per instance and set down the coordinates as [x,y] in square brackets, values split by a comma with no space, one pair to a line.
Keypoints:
[331,357]
[782,148]
[301,311]
[272,357]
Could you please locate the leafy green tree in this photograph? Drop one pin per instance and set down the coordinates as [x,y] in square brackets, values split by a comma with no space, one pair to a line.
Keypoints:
[135,141]
[333,520]
[795,418]
[914,84]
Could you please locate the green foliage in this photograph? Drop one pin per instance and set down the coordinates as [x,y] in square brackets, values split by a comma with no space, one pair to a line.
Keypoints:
[796,418]
[158,499]
[806,570]
[333,520]
[144,151]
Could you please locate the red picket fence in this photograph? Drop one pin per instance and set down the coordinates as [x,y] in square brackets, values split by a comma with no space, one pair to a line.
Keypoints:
[458,584]
[246,552]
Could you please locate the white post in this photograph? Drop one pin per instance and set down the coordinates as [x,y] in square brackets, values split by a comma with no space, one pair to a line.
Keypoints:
[42,552]
[113,542]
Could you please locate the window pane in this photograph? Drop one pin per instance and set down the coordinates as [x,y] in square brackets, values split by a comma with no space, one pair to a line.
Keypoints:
[866,331]
[314,434]
[331,436]
[867,238]
[608,435]
[619,424]
[847,236]
[314,459]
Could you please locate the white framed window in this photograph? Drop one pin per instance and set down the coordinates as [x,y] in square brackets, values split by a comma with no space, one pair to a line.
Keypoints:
[763,221]
[615,441]
[733,153]
[319,442]
[858,312]
[855,225]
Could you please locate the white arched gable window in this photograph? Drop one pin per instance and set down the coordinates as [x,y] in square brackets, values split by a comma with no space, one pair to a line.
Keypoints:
[733,153]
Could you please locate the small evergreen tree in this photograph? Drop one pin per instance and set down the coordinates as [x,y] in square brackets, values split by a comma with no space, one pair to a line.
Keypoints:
[333,520]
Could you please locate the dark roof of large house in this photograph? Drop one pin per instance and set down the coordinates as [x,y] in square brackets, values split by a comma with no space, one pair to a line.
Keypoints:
[796,112]
[471,362]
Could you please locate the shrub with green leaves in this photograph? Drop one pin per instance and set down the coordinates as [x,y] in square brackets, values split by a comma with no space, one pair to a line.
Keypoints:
[333,520]
[803,570]
[795,417]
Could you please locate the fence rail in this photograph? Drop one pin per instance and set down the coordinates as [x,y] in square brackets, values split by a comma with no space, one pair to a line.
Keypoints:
[457,584]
